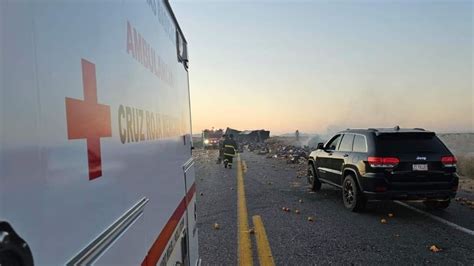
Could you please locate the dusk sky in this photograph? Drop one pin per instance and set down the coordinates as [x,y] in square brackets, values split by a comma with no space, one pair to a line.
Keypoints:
[327,65]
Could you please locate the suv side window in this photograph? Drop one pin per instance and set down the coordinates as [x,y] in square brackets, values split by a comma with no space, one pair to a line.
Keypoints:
[346,143]
[360,144]
[334,143]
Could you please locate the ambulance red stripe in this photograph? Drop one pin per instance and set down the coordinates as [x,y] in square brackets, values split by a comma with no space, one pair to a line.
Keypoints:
[165,235]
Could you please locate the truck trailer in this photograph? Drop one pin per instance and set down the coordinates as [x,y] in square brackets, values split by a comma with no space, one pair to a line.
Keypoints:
[95,135]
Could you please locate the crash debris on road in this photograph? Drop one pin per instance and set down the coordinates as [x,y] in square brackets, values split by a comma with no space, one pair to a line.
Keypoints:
[248,136]
[466,202]
[287,150]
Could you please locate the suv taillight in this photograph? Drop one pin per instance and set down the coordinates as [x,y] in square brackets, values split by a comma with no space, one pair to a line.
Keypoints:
[449,161]
[383,162]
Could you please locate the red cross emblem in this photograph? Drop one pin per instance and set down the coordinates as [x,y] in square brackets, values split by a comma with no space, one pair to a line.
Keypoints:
[87,119]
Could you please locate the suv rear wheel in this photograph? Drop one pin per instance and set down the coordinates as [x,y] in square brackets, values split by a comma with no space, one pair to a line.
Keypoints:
[351,195]
[437,204]
[313,179]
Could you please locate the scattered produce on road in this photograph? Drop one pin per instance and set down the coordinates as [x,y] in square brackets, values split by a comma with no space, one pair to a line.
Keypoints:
[435,249]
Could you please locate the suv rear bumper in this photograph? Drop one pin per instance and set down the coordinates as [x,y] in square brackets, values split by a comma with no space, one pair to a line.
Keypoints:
[410,195]
[376,187]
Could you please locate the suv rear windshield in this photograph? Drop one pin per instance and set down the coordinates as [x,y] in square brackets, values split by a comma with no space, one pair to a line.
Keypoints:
[395,143]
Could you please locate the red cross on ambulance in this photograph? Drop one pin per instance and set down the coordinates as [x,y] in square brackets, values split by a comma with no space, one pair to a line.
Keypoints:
[87,119]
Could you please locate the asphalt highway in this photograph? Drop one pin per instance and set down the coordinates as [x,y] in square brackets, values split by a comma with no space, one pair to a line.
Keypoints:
[322,231]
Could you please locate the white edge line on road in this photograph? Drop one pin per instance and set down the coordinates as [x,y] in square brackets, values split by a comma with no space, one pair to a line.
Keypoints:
[439,219]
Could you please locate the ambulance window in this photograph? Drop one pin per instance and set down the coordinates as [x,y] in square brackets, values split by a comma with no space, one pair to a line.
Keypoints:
[182,49]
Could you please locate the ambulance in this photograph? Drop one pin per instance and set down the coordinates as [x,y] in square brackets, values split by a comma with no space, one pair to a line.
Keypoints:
[95,135]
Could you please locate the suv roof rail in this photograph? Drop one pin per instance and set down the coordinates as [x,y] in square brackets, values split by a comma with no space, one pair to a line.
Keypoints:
[419,128]
[361,129]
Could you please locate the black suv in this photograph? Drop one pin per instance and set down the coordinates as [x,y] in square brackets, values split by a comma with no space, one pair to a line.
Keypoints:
[386,164]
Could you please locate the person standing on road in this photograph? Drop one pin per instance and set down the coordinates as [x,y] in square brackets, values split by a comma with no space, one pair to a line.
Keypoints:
[221,149]
[230,149]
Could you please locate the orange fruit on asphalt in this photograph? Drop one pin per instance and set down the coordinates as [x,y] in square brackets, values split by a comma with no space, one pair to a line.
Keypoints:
[434,249]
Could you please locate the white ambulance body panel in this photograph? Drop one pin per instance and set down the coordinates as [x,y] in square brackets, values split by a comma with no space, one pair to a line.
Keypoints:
[95,134]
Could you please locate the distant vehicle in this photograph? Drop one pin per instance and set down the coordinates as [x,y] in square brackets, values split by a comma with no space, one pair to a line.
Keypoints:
[211,137]
[95,135]
[386,164]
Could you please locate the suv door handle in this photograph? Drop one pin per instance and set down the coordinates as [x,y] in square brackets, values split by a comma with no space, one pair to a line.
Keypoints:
[330,154]
[346,155]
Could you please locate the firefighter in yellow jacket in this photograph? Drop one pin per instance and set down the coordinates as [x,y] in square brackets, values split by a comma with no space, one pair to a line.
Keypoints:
[221,149]
[230,149]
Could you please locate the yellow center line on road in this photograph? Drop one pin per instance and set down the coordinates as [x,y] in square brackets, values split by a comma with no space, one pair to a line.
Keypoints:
[245,246]
[263,246]
[244,166]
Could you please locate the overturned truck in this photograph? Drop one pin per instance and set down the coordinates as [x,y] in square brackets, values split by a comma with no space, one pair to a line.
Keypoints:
[249,136]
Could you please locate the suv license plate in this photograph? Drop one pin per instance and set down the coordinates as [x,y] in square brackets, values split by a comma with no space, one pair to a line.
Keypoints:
[420,167]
